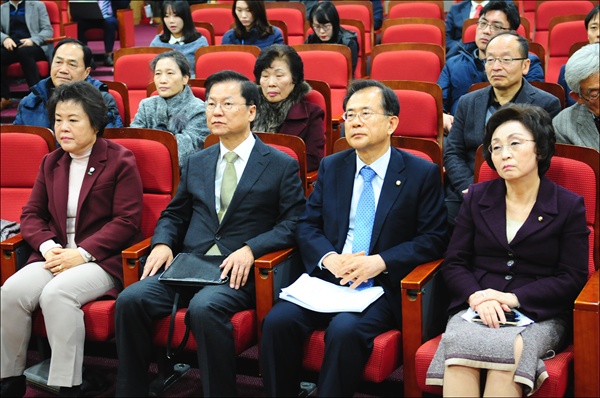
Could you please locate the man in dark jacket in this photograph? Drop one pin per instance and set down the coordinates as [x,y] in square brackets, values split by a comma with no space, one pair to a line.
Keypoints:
[70,62]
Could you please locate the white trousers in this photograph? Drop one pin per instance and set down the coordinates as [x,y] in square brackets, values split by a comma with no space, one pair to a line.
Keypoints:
[60,299]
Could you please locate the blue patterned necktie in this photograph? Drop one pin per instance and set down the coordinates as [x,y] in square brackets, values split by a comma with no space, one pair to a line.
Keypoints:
[364,218]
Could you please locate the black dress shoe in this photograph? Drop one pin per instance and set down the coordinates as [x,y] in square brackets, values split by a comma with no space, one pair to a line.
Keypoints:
[13,386]
[108,60]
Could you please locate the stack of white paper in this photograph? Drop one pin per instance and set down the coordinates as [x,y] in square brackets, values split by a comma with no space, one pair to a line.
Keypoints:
[524,320]
[318,295]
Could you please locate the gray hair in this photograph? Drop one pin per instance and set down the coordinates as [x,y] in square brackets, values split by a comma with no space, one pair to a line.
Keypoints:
[582,64]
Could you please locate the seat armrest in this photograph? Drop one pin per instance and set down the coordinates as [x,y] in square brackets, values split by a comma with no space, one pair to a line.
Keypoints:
[55,39]
[412,290]
[15,252]
[133,259]
[586,340]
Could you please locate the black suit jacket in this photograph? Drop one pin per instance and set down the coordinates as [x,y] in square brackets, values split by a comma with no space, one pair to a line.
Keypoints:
[262,214]
[410,220]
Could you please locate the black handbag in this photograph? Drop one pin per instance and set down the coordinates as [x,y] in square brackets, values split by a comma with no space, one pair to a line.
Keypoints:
[190,270]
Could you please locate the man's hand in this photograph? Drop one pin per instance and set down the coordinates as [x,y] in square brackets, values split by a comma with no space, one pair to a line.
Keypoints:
[334,262]
[26,42]
[9,44]
[59,260]
[448,120]
[161,254]
[360,268]
[238,265]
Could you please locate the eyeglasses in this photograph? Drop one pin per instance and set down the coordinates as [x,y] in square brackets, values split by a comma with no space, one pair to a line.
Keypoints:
[364,115]
[494,28]
[503,60]
[226,106]
[325,27]
[592,95]
[514,146]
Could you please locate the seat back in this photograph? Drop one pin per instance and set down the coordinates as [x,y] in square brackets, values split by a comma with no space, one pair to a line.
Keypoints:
[564,31]
[470,26]
[407,61]
[119,92]
[421,109]
[337,74]
[218,15]
[578,170]
[362,11]
[321,95]
[415,30]
[237,57]
[547,10]
[17,172]
[416,9]
[293,14]
[157,160]
[132,67]
[288,144]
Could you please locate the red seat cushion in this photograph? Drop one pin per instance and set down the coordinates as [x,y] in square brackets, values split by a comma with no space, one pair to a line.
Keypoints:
[244,331]
[385,358]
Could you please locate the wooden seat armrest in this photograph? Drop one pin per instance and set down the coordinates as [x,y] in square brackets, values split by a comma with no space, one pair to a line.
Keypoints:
[9,263]
[55,39]
[269,261]
[421,275]
[132,261]
[311,177]
[586,340]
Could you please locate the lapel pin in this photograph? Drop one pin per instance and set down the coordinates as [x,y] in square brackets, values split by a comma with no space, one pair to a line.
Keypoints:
[540,218]
[398,182]
[91,171]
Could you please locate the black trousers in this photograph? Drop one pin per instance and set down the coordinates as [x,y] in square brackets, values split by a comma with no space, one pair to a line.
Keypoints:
[210,310]
[110,26]
[27,56]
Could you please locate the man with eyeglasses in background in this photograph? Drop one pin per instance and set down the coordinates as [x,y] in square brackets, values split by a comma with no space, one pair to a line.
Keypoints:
[580,124]
[506,63]
[240,199]
[375,214]
[464,63]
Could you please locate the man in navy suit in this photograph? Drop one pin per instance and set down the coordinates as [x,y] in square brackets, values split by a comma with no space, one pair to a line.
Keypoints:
[260,218]
[409,228]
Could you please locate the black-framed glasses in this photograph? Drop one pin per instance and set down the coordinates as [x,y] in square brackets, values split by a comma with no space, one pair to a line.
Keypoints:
[226,106]
[503,60]
[592,95]
[514,146]
[495,28]
[364,115]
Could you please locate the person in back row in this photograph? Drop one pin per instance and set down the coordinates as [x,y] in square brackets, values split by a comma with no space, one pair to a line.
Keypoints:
[175,109]
[251,26]
[506,63]
[71,62]
[465,66]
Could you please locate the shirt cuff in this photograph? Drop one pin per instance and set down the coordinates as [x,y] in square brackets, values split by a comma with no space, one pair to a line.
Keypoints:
[320,263]
[87,257]
[47,245]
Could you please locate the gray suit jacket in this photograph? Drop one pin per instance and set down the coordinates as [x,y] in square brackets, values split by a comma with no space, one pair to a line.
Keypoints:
[469,127]
[575,126]
[37,20]
[262,214]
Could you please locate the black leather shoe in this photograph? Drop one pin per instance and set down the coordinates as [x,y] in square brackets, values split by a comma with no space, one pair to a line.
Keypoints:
[108,60]
[13,386]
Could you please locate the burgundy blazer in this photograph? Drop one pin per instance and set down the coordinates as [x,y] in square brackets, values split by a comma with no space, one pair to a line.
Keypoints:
[545,265]
[305,120]
[109,212]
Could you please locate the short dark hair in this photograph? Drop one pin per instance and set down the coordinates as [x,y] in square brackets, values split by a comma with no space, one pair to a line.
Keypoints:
[84,94]
[523,43]
[248,89]
[325,12]
[536,120]
[591,16]
[508,8]
[87,53]
[389,100]
[178,57]
[261,23]
[182,10]
[285,53]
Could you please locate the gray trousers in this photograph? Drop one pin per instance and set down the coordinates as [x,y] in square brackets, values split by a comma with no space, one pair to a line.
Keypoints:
[60,299]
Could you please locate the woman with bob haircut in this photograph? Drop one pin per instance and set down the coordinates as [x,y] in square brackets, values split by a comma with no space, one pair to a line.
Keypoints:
[325,22]
[175,109]
[84,209]
[179,32]
[251,26]
[520,242]
[282,107]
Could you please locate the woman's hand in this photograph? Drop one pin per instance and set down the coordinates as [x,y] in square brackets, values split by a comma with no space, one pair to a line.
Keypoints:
[508,300]
[491,313]
[26,42]
[9,44]
[59,260]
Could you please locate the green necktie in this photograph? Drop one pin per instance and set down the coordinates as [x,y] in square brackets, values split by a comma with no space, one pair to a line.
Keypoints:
[228,183]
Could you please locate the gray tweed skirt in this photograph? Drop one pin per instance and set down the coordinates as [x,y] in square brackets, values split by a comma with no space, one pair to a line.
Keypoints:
[478,346]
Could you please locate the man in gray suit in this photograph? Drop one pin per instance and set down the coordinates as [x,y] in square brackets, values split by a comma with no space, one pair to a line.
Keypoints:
[579,124]
[259,218]
[505,64]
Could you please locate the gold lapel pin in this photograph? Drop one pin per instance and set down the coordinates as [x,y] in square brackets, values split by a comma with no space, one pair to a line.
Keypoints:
[540,218]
